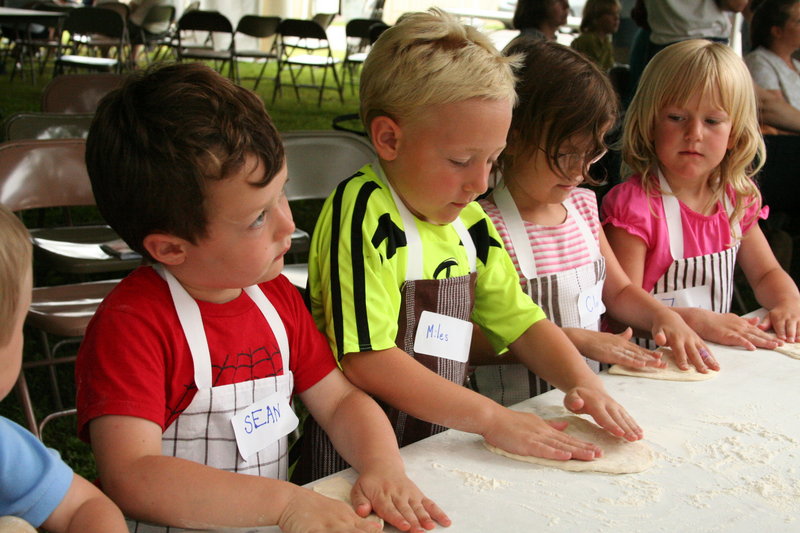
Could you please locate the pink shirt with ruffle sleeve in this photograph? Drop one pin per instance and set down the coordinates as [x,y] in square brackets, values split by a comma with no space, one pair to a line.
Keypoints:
[626,206]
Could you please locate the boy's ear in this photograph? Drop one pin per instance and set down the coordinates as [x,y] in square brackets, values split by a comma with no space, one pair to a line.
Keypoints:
[165,248]
[385,132]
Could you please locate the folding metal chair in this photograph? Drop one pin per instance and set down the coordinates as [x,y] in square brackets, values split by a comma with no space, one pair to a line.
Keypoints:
[157,31]
[260,28]
[317,161]
[93,30]
[38,174]
[34,125]
[304,44]
[78,93]
[358,40]
[212,22]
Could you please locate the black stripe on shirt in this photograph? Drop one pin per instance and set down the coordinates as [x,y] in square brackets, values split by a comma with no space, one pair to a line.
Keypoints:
[357,257]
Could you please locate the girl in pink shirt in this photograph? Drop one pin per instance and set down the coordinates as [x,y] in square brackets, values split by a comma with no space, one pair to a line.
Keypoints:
[551,228]
[692,143]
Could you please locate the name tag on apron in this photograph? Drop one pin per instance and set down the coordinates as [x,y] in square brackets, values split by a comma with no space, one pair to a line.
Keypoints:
[443,336]
[590,304]
[698,297]
[263,423]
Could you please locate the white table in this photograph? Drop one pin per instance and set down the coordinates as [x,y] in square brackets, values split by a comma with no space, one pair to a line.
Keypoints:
[727,460]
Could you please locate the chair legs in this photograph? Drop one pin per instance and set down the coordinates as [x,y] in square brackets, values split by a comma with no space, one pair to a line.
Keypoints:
[50,361]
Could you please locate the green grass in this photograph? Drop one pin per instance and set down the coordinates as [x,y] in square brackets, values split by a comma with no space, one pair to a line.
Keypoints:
[24,95]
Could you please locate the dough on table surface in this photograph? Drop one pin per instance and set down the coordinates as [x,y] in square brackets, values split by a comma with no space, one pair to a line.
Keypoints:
[339,488]
[619,455]
[671,373]
[792,349]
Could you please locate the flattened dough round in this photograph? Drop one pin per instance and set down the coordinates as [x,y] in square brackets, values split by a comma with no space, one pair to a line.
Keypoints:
[671,373]
[619,455]
[339,488]
[792,349]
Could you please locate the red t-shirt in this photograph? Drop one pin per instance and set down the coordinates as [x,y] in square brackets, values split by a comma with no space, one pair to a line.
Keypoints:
[135,361]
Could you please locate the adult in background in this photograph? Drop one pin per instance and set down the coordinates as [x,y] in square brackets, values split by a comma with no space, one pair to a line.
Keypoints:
[600,21]
[775,35]
[539,19]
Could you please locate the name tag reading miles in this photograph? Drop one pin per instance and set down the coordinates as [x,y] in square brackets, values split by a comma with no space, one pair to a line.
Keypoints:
[443,336]
[263,423]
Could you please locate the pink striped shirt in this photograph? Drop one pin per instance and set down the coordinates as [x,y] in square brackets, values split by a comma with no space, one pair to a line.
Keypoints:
[555,248]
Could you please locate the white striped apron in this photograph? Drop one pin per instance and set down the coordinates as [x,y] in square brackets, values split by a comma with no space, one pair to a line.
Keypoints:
[203,432]
[557,294]
[704,281]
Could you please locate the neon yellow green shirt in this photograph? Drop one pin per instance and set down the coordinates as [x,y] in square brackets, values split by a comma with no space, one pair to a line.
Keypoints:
[357,267]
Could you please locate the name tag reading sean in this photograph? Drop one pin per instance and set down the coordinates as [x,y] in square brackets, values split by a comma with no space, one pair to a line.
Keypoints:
[443,336]
[263,423]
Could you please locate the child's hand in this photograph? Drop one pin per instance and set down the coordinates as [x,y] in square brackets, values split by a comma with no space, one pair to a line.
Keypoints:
[731,330]
[784,319]
[669,329]
[308,512]
[607,413]
[618,350]
[396,499]
[528,434]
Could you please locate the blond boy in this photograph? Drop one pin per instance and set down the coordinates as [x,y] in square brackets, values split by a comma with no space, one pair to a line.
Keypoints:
[402,258]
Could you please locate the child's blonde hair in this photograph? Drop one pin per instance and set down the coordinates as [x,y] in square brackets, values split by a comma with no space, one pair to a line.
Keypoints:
[428,59]
[593,10]
[673,77]
[15,263]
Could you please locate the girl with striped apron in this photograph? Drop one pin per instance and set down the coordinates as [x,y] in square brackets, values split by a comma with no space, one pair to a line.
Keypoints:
[452,297]
[705,281]
[204,432]
[570,299]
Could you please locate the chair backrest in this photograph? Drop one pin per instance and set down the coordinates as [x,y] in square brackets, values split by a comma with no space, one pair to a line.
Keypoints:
[78,93]
[318,160]
[324,19]
[359,28]
[95,20]
[258,26]
[123,9]
[376,30]
[159,18]
[199,20]
[46,126]
[302,29]
[44,173]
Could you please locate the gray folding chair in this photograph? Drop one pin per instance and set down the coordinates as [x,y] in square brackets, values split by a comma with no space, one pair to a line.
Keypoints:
[39,174]
[46,126]
[259,28]
[317,161]
[78,93]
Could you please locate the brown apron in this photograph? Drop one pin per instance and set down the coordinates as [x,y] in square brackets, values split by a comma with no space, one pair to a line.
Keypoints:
[453,297]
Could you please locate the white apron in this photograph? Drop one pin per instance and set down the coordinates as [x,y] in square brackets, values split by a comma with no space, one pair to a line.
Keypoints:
[570,299]
[705,281]
[203,432]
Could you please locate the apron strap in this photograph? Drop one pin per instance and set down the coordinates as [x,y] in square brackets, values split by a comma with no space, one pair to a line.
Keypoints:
[192,323]
[516,230]
[672,212]
[414,266]
[583,227]
[274,320]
